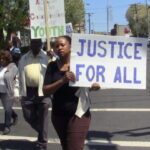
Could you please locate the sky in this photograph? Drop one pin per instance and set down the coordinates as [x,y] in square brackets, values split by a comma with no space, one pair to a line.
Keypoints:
[98,10]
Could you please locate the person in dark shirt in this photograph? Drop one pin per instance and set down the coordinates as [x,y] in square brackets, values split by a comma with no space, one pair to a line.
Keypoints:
[114,30]
[71,127]
[15,51]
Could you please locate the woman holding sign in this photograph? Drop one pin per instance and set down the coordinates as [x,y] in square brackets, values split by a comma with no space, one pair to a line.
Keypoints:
[70,105]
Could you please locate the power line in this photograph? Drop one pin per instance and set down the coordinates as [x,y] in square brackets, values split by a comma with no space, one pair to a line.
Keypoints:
[103,8]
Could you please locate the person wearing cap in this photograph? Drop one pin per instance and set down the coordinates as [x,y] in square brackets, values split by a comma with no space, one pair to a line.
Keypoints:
[32,67]
[15,51]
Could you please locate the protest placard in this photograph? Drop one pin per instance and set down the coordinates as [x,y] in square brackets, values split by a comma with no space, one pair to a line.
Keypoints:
[69,28]
[56,18]
[112,61]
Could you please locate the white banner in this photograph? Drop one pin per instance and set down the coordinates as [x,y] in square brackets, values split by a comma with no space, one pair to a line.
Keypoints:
[69,28]
[56,18]
[112,61]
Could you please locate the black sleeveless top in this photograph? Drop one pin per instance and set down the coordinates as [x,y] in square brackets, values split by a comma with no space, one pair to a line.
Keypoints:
[64,101]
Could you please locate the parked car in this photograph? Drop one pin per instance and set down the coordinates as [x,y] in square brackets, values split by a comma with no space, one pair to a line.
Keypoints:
[148,42]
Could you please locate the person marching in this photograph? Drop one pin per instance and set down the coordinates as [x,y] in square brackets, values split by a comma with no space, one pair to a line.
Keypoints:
[70,105]
[8,72]
[32,68]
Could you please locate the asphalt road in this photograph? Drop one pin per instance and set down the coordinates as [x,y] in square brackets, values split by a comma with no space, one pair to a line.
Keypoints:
[120,121]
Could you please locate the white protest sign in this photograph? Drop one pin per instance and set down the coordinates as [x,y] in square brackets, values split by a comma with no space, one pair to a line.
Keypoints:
[69,28]
[112,61]
[56,18]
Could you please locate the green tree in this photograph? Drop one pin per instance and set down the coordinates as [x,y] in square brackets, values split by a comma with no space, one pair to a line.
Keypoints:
[74,10]
[137,16]
[13,14]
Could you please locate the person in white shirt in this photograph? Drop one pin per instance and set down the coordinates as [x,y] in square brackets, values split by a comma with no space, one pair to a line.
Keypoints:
[29,82]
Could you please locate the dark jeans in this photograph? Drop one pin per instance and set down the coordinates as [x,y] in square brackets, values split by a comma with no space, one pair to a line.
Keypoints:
[35,111]
[72,131]
[9,112]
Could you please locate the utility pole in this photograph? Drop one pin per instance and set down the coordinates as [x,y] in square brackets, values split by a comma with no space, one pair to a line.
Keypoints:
[89,21]
[92,30]
[108,7]
[107,19]
[89,15]
[109,15]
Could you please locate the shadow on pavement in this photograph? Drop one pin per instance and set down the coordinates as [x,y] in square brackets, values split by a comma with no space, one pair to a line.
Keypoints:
[17,145]
[100,135]
[102,147]
[1,126]
[134,132]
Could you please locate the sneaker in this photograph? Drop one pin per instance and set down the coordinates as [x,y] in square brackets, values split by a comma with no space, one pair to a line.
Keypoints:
[40,147]
[6,131]
[15,121]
